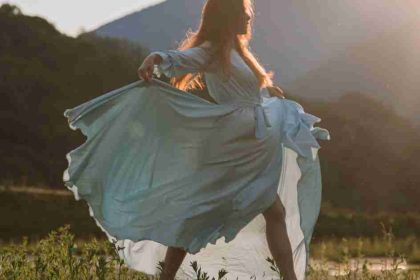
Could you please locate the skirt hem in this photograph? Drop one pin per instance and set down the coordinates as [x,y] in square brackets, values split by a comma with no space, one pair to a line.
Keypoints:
[113,239]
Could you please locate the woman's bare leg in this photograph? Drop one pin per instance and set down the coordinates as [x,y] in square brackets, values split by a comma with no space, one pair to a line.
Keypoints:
[173,259]
[277,239]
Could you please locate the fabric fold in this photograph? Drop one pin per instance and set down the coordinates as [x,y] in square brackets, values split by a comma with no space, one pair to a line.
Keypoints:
[299,133]
[161,167]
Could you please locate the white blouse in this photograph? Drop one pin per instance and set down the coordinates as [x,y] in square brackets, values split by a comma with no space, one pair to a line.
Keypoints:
[242,84]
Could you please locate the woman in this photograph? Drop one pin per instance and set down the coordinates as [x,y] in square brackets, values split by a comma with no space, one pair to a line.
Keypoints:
[162,168]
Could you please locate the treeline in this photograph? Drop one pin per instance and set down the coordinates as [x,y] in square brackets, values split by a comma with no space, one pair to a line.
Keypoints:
[44,72]
[370,164]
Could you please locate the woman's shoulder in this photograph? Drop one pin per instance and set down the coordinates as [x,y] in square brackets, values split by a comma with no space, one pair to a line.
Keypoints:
[206,44]
[201,49]
[205,49]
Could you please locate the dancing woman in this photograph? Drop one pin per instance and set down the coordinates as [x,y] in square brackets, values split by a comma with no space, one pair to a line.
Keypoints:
[166,169]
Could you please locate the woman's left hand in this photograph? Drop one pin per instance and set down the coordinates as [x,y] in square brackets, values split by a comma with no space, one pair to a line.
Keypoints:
[275,91]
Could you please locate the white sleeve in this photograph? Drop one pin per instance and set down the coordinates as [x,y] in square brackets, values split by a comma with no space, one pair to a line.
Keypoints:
[179,62]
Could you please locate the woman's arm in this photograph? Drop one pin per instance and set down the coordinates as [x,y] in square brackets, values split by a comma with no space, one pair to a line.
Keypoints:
[173,63]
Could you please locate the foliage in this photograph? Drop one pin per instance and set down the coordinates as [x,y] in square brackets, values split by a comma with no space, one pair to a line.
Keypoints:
[44,73]
[59,256]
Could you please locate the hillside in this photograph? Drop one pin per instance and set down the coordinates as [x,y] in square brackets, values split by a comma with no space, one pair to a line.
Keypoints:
[310,45]
[378,65]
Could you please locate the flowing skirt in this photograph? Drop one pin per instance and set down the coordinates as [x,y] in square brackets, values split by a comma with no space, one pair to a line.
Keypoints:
[162,167]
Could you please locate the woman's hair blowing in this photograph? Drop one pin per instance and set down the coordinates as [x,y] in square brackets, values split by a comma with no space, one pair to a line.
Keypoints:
[219,20]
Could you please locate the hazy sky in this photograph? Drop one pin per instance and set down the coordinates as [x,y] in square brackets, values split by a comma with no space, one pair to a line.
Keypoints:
[70,16]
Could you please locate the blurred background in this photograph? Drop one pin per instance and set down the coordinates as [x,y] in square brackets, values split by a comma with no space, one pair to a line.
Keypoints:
[354,63]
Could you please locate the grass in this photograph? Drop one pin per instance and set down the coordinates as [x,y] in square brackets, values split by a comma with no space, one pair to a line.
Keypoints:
[375,247]
[60,256]
[36,245]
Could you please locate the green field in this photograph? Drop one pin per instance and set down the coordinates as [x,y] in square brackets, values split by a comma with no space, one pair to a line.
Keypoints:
[49,235]
[60,256]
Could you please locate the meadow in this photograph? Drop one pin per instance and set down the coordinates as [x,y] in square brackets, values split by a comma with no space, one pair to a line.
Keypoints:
[60,256]
[46,234]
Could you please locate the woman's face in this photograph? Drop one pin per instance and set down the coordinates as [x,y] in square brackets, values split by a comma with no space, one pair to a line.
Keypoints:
[243,22]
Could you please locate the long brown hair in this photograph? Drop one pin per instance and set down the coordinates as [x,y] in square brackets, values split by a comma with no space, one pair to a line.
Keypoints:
[219,19]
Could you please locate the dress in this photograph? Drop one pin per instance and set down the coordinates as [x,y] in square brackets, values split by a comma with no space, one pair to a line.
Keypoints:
[162,167]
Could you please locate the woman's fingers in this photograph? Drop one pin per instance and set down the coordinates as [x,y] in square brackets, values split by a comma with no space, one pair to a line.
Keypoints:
[145,73]
[149,72]
[276,91]
[140,73]
[279,92]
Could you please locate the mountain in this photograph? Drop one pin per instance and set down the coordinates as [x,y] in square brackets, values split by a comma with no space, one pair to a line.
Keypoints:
[316,48]
[380,65]
[158,26]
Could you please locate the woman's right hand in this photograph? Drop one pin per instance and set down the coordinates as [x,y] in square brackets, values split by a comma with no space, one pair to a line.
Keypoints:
[145,71]
[275,91]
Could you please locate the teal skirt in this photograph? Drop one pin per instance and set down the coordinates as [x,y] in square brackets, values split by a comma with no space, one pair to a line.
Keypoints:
[162,167]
